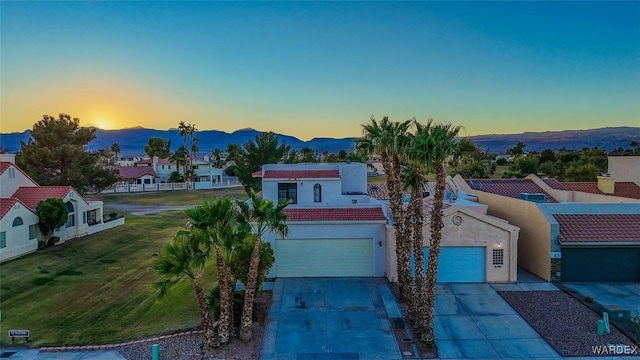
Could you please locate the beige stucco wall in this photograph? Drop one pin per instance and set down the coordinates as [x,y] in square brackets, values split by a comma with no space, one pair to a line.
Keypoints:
[476,229]
[625,168]
[534,242]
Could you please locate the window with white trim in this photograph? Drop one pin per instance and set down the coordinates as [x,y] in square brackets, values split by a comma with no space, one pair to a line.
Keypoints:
[317,193]
[17,221]
[3,240]
[32,232]
[12,173]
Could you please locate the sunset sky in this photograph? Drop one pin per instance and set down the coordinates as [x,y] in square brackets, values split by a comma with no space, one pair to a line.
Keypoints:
[321,69]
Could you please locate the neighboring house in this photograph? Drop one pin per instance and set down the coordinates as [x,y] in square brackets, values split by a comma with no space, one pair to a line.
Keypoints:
[204,170]
[624,168]
[337,229]
[20,198]
[475,247]
[553,218]
[137,175]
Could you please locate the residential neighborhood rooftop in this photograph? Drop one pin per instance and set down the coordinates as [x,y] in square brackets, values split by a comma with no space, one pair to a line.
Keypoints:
[134,172]
[581,228]
[626,189]
[31,196]
[299,174]
[7,203]
[509,187]
[335,214]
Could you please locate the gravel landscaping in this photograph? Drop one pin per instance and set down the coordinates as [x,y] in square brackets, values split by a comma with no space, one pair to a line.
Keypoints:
[565,323]
[188,346]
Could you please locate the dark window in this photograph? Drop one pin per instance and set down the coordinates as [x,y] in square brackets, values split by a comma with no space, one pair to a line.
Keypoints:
[498,256]
[17,221]
[317,193]
[71,220]
[288,192]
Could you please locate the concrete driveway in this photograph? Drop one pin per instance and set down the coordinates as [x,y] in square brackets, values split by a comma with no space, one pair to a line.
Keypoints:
[473,321]
[330,318]
[625,295]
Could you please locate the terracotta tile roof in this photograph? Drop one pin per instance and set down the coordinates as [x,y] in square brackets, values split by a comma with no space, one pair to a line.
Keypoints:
[31,196]
[599,228]
[626,189]
[508,187]
[381,192]
[163,161]
[301,174]
[554,184]
[7,203]
[335,214]
[257,174]
[4,165]
[134,172]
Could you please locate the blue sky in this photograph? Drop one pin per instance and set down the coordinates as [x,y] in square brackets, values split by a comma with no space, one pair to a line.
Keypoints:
[315,69]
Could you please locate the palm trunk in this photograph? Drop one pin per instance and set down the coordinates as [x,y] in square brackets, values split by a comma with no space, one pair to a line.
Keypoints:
[434,256]
[210,337]
[415,209]
[226,299]
[246,322]
[403,241]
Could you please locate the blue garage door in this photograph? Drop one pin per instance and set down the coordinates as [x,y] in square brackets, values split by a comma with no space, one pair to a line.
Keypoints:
[459,264]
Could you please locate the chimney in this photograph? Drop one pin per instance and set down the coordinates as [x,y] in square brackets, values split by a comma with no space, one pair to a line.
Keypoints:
[8,158]
[606,184]
[154,163]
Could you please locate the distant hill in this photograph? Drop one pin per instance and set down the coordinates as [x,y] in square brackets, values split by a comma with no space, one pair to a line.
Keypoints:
[132,140]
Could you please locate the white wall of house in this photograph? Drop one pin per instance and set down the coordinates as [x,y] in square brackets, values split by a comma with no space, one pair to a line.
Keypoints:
[624,168]
[354,178]
[16,240]
[78,222]
[338,230]
[146,179]
[12,179]
[474,229]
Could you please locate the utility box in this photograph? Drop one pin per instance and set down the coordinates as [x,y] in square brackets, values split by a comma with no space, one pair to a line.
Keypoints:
[616,313]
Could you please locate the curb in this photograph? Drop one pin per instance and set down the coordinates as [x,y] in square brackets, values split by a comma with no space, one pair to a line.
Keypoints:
[114,346]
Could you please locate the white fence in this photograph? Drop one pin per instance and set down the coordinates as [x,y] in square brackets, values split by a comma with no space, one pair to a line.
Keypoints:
[130,188]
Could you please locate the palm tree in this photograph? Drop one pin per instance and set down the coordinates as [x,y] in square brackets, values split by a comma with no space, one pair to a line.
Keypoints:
[226,231]
[264,216]
[115,148]
[184,131]
[217,157]
[180,157]
[435,145]
[388,139]
[186,256]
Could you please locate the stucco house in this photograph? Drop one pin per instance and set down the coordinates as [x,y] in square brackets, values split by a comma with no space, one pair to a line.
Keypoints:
[20,195]
[205,171]
[570,232]
[339,226]
[137,175]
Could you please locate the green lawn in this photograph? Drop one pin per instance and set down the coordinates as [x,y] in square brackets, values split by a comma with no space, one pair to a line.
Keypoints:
[97,289]
[177,197]
[500,169]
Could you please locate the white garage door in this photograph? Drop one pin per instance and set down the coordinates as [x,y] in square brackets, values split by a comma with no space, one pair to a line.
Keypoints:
[324,257]
[459,264]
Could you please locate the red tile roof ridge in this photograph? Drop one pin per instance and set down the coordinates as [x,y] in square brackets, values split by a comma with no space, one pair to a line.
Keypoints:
[6,204]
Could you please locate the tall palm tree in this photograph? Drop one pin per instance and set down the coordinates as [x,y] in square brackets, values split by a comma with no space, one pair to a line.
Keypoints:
[186,256]
[264,216]
[388,139]
[180,157]
[226,231]
[184,131]
[436,146]
[217,157]
[115,148]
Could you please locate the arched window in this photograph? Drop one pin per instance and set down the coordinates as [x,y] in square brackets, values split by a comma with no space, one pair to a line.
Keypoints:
[317,193]
[17,221]
[71,220]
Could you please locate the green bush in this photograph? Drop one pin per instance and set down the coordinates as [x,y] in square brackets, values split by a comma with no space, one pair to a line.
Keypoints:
[113,215]
[52,241]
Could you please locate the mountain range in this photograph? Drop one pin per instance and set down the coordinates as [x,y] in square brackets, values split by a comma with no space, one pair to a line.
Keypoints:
[133,140]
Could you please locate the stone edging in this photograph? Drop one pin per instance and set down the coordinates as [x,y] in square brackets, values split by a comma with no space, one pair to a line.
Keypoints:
[114,346]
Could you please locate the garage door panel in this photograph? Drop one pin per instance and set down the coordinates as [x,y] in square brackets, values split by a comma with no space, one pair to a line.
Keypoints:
[600,264]
[458,264]
[324,257]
